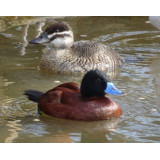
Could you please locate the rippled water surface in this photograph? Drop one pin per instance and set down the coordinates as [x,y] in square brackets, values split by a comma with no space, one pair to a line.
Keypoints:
[134,39]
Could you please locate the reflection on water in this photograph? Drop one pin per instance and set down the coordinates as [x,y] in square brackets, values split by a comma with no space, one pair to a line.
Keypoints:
[25,42]
[14,127]
[132,37]
[49,129]
[25,33]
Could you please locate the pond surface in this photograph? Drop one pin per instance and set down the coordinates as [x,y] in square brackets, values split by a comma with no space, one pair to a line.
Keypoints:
[132,37]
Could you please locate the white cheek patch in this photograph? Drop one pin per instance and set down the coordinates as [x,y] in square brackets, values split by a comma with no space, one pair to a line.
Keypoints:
[60,33]
[62,42]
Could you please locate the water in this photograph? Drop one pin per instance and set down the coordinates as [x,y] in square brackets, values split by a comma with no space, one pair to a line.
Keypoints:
[131,37]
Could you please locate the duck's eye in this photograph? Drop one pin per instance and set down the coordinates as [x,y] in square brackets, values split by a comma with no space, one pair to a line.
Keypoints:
[98,79]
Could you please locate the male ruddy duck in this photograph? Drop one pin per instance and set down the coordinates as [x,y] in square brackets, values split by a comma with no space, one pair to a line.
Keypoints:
[86,102]
[67,56]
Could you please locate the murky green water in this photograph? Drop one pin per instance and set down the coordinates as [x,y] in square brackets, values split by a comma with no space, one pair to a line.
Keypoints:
[130,36]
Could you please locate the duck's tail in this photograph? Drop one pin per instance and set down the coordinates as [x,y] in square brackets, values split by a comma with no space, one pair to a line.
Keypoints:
[33,95]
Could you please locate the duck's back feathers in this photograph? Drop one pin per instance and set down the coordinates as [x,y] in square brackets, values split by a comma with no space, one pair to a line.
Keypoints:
[87,48]
[97,52]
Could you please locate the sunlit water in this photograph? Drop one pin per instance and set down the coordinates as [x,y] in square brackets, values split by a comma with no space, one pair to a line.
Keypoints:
[131,37]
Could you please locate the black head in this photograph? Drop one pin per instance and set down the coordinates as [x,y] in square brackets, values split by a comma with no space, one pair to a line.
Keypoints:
[94,84]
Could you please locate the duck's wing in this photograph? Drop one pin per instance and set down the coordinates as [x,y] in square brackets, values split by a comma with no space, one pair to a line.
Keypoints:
[50,104]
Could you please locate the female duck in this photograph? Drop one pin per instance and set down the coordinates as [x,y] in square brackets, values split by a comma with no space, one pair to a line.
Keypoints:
[87,102]
[67,56]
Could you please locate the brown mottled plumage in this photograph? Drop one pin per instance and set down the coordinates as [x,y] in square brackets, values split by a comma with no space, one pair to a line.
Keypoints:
[67,56]
[82,57]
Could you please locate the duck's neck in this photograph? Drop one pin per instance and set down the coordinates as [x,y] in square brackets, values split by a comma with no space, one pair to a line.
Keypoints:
[87,92]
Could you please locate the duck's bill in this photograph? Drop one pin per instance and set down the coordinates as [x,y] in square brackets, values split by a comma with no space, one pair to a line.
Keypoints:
[111,89]
[41,39]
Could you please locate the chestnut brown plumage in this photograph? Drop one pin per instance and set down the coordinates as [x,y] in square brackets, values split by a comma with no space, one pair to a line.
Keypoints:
[67,100]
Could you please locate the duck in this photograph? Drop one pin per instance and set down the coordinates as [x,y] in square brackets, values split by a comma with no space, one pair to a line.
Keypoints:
[66,56]
[85,102]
